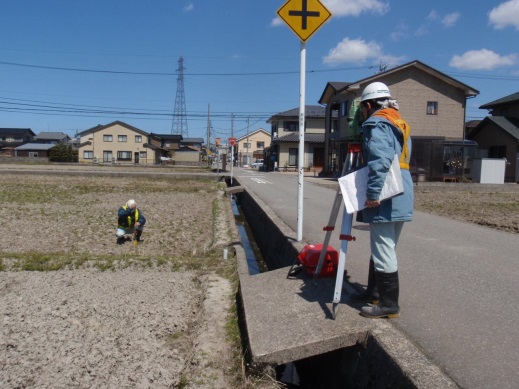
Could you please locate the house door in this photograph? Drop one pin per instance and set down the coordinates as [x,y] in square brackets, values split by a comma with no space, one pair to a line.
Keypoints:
[318,157]
[137,157]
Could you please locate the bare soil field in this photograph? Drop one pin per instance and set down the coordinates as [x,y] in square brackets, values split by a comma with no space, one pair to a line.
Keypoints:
[498,210]
[78,310]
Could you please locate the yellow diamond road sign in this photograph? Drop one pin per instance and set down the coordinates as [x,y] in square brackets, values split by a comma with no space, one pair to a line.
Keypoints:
[304,17]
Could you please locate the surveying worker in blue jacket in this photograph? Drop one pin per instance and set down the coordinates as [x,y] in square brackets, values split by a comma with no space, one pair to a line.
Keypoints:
[384,134]
[130,220]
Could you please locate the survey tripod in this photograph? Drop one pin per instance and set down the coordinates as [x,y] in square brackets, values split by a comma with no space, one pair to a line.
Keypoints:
[351,162]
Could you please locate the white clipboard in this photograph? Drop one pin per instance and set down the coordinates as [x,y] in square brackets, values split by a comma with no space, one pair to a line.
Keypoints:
[354,186]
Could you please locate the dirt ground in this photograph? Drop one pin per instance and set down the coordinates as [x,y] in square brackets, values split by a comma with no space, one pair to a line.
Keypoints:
[113,316]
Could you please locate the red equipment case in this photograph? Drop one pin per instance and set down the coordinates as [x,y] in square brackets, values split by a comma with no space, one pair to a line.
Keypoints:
[309,258]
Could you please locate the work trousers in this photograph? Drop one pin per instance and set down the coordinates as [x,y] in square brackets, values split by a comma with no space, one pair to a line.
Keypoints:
[124,231]
[383,241]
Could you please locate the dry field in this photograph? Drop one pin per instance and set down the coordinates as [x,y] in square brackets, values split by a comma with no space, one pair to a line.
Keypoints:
[498,210]
[159,315]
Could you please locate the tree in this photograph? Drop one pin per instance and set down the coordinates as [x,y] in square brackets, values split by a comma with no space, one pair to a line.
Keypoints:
[63,153]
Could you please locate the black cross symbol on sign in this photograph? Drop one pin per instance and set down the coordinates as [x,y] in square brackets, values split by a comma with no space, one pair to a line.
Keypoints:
[305,14]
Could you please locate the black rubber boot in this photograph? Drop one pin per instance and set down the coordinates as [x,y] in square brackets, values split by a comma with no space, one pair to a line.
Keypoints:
[138,235]
[387,307]
[370,295]
[121,240]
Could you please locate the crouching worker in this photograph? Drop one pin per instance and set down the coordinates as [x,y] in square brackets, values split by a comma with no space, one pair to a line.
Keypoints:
[130,221]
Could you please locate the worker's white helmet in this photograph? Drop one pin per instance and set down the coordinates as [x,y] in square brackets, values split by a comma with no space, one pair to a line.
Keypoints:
[375,91]
[131,204]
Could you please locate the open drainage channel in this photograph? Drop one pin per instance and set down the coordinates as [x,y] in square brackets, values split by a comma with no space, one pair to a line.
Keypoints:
[314,372]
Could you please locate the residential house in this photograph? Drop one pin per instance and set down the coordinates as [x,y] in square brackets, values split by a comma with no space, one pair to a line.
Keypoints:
[433,104]
[190,151]
[251,147]
[498,135]
[283,152]
[52,138]
[117,142]
[165,145]
[10,138]
[36,151]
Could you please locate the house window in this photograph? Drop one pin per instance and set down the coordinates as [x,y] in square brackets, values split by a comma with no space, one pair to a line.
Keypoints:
[122,138]
[260,145]
[124,155]
[88,154]
[497,152]
[107,138]
[143,155]
[138,139]
[246,145]
[292,157]
[33,154]
[291,126]
[432,108]
[107,156]
[344,108]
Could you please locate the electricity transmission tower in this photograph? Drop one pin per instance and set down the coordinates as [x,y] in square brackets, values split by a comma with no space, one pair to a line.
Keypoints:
[179,125]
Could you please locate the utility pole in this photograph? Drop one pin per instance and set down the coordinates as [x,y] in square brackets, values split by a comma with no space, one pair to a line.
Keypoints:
[208,145]
[232,136]
[248,145]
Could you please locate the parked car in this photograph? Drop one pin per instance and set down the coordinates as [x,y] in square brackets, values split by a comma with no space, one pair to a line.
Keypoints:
[257,164]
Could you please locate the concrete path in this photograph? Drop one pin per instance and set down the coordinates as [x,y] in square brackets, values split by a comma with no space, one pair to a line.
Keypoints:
[459,281]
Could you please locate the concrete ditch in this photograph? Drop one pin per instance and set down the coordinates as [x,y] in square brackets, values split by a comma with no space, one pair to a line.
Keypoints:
[288,321]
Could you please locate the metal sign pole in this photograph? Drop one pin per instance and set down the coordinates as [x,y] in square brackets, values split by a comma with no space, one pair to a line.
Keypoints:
[232,161]
[301,151]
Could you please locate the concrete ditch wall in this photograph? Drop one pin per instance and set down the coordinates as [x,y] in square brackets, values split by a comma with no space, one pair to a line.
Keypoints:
[385,359]
[277,242]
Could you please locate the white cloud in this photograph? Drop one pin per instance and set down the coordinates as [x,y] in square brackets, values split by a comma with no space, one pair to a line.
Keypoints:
[277,21]
[433,16]
[356,50]
[355,7]
[504,15]
[399,32]
[482,60]
[359,51]
[450,20]
[189,7]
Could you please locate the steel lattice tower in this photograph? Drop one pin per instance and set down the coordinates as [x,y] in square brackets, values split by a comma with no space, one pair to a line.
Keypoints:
[179,125]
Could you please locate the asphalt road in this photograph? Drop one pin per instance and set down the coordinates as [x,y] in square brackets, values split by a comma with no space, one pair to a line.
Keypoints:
[459,281]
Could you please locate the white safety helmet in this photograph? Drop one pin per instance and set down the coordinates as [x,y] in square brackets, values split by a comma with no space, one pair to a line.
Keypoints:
[375,91]
[132,204]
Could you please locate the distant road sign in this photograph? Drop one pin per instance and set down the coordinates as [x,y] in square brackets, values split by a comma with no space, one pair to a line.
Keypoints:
[232,141]
[304,17]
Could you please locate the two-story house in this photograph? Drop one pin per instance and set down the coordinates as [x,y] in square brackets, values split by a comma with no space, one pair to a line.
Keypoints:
[117,142]
[498,134]
[283,152]
[52,138]
[10,138]
[251,147]
[433,104]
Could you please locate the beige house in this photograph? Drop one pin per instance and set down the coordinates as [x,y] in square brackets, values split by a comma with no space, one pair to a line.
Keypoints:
[431,102]
[284,150]
[117,142]
[249,148]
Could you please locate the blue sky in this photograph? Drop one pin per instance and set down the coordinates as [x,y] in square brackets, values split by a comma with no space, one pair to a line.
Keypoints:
[68,65]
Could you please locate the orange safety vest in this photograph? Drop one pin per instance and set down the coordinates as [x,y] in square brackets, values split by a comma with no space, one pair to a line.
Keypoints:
[393,116]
